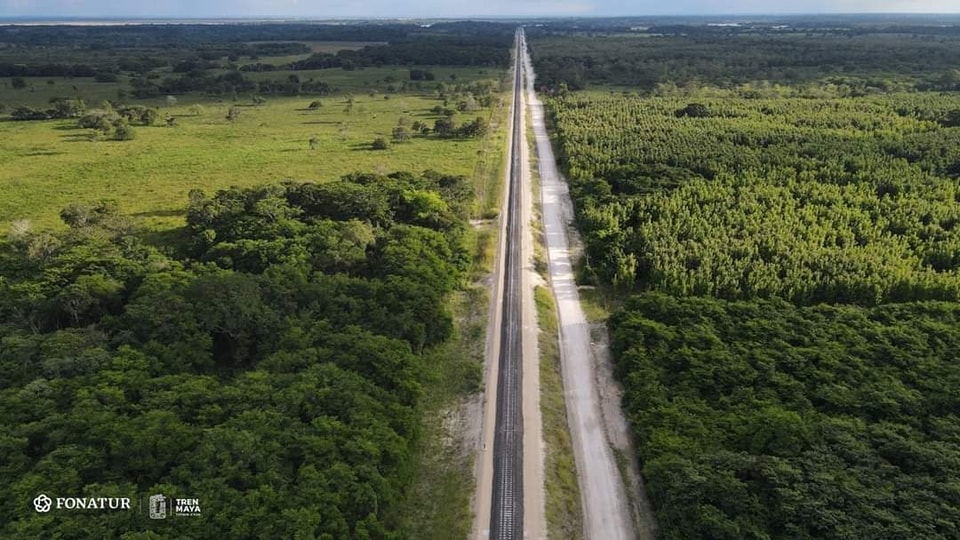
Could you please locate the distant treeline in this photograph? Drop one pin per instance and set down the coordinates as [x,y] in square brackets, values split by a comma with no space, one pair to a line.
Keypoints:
[477,51]
[47,70]
[863,23]
[191,35]
[226,84]
[226,39]
[725,59]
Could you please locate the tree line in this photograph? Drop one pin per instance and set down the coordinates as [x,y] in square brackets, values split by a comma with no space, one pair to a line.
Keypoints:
[878,62]
[270,365]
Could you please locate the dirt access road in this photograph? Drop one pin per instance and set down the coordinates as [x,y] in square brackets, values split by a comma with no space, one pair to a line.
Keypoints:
[606,509]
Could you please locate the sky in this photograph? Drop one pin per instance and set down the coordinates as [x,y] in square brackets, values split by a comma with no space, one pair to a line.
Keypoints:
[454,8]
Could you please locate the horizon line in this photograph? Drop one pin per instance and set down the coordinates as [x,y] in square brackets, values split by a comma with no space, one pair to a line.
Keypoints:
[467,17]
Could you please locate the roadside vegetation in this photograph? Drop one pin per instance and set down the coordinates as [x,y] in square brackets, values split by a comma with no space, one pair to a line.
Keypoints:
[564,511]
[775,227]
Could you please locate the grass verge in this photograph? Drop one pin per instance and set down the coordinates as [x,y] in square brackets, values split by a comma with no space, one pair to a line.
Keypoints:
[564,514]
[437,504]
[539,240]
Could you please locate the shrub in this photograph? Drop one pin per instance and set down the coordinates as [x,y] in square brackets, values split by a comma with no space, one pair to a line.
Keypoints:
[28,113]
[693,110]
[123,131]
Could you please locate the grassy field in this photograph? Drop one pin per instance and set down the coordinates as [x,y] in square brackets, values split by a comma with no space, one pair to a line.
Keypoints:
[44,166]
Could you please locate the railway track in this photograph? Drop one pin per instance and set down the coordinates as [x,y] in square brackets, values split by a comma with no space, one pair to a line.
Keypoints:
[506,517]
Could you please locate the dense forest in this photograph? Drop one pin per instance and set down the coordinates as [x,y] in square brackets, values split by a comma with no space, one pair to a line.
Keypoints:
[55,51]
[849,200]
[648,62]
[782,228]
[760,420]
[236,36]
[270,366]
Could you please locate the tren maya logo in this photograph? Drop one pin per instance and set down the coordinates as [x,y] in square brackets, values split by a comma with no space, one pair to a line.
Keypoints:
[161,506]
[158,507]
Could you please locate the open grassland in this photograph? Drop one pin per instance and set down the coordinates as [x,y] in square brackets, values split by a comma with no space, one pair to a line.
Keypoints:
[45,166]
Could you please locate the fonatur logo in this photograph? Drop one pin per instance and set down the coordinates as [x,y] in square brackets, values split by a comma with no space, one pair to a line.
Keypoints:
[43,504]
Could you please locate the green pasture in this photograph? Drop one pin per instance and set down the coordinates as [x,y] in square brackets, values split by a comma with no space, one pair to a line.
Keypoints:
[47,165]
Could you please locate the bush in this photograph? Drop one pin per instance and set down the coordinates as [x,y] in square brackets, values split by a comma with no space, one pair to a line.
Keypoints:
[400,134]
[28,113]
[693,110]
[123,131]
[99,120]
[109,124]
[66,108]
[139,114]
[421,75]
[379,144]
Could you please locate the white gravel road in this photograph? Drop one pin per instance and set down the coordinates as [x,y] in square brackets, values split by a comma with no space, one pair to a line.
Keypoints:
[606,510]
